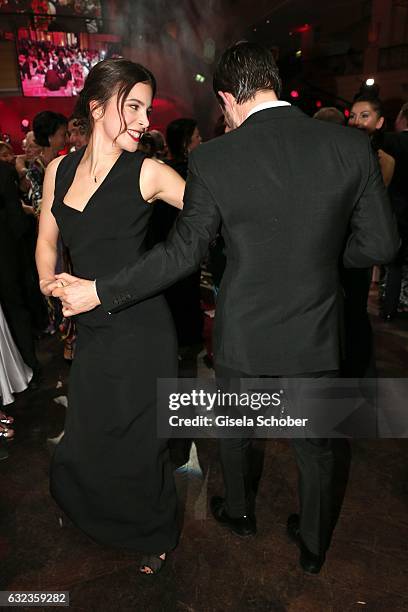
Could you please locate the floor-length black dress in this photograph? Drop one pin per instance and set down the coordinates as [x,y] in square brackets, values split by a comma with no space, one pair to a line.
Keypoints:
[110,473]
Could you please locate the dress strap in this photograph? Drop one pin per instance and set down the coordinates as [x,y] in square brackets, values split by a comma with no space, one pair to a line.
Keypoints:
[66,172]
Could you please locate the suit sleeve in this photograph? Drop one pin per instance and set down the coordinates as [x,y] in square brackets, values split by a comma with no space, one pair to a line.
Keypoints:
[168,261]
[374,237]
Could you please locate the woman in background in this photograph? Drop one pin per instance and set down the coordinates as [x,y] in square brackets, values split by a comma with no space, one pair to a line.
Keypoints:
[365,114]
[7,153]
[31,151]
[50,133]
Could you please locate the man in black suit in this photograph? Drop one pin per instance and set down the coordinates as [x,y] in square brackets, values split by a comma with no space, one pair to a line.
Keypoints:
[286,189]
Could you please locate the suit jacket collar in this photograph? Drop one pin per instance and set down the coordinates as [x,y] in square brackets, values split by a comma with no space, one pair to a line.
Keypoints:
[276,112]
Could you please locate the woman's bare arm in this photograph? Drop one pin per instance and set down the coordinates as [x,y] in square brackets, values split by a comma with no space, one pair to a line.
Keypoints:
[160,182]
[46,251]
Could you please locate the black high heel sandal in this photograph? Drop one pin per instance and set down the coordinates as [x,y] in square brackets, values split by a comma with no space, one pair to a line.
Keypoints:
[151,564]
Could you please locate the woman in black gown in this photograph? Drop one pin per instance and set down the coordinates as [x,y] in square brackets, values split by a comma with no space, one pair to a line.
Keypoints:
[110,473]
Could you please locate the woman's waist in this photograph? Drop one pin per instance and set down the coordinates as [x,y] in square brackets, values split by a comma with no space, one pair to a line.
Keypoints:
[92,263]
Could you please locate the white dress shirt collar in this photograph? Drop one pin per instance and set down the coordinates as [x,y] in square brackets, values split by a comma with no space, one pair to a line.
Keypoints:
[265,105]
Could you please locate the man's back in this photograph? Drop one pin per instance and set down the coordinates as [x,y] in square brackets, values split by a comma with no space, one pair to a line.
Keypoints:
[285,189]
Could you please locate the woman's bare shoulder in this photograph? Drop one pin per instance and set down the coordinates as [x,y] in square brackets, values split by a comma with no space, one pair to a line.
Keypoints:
[53,165]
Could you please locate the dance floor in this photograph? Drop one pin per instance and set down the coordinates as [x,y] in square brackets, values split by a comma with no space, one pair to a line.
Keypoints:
[212,570]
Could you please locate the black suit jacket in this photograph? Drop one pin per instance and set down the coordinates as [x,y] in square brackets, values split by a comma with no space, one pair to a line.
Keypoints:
[286,188]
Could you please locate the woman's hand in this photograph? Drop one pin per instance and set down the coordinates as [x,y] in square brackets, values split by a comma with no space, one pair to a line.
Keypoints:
[78,295]
[47,285]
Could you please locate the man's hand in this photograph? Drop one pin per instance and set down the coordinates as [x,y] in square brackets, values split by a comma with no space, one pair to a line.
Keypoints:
[78,295]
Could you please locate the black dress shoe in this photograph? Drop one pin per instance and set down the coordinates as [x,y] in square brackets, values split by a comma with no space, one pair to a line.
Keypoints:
[309,562]
[242,526]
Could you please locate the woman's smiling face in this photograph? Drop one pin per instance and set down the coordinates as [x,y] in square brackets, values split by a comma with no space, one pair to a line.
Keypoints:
[134,117]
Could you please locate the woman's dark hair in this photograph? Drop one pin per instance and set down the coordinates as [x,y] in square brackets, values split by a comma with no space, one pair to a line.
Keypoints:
[107,78]
[152,143]
[244,69]
[374,101]
[178,136]
[45,124]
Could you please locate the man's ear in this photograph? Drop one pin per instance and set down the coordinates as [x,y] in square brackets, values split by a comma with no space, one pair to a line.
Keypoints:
[227,98]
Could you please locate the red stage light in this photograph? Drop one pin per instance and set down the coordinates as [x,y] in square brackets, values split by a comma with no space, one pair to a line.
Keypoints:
[318,103]
[294,93]
[303,28]
[347,113]
[25,126]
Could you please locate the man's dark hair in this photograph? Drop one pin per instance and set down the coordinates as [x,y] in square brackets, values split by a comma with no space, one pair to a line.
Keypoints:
[45,124]
[79,122]
[245,69]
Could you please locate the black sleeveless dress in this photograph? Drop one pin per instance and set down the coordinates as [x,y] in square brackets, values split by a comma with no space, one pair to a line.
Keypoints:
[110,474]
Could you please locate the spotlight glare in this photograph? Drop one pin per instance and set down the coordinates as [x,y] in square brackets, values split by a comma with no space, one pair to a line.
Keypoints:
[370,82]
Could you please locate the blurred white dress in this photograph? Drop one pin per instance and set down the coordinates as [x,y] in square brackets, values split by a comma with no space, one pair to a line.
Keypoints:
[14,373]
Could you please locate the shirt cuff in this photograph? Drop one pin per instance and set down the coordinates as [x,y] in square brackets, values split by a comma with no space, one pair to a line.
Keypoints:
[96,293]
